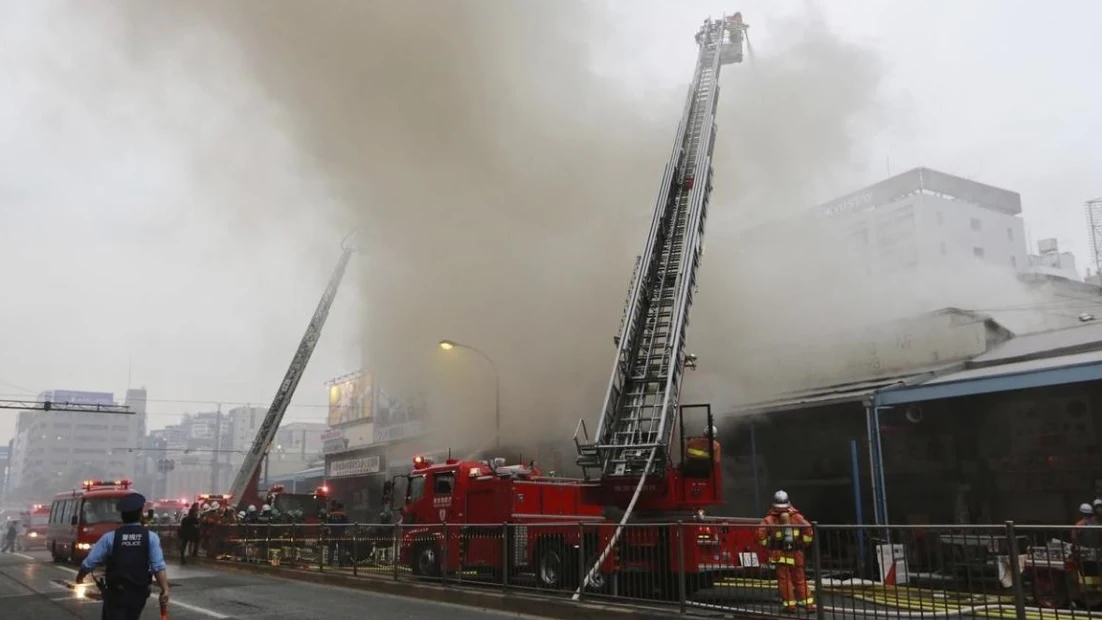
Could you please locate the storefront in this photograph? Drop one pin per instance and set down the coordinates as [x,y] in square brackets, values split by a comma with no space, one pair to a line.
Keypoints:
[356,478]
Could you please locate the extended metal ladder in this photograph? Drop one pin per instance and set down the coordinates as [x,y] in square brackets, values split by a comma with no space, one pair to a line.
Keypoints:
[650,359]
[245,483]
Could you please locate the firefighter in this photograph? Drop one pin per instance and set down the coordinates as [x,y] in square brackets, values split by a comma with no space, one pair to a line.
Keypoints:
[189,534]
[697,462]
[786,533]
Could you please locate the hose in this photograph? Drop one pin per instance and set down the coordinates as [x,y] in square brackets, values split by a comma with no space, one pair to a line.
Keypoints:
[619,528]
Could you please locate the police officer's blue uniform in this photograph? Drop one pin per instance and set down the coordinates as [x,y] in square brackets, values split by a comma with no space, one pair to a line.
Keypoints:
[131,555]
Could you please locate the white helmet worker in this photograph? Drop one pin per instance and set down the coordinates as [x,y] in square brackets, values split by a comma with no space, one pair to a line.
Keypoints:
[215,506]
[265,508]
[1086,509]
[241,515]
[205,507]
[780,500]
[252,507]
[1097,503]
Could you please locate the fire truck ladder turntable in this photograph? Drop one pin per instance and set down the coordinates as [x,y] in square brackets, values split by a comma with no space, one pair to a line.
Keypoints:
[637,421]
[245,484]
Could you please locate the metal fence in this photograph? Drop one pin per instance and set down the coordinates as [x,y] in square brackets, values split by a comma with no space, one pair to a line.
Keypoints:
[1006,571]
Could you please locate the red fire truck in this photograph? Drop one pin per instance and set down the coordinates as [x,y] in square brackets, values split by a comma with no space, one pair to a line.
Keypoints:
[309,505]
[549,524]
[80,517]
[37,522]
[166,511]
[224,499]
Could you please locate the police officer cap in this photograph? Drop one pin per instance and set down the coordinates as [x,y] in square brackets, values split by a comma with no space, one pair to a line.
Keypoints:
[132,503]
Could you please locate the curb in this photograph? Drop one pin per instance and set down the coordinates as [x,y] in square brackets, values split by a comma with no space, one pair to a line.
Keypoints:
[509,602]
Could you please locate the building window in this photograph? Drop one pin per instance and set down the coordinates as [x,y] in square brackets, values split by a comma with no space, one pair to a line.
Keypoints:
[976,225]
[944,249]
[1010,235]
[1013,260]
[940,218]
[977,252]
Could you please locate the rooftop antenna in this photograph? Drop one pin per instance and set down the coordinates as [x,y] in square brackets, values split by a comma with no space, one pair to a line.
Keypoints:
[1094,230]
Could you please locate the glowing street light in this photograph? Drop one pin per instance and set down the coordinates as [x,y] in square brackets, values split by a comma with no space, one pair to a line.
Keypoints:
[448,345]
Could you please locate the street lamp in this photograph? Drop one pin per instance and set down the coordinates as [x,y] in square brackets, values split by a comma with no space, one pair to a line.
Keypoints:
[448,345]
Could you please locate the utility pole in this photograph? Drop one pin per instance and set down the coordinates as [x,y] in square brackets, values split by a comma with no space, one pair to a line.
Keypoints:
[215,465]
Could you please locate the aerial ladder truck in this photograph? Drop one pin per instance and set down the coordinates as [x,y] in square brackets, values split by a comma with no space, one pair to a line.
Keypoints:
[554,525]
[631,457]
[246,484]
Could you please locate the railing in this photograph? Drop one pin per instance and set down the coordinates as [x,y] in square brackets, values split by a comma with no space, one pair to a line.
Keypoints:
[711,566]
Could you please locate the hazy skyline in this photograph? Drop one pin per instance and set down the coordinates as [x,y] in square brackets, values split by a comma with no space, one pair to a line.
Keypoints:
[172,204]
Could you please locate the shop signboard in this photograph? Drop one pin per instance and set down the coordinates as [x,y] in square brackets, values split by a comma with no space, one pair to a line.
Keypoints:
[356,466]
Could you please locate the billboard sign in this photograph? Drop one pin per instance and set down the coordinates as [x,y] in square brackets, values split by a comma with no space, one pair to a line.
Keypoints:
[396,420]
[358,466]
[78,398]
[350,399]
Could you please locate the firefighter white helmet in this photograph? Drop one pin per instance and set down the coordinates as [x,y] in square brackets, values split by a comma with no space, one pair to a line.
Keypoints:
[252,508]
[715,432]
[241,515]
[1097,503]
[780,500]
[1086,509]
[265,508]
[205,506]
[215,506]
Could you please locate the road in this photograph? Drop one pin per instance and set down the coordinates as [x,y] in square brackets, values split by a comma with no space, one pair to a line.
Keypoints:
[33,587]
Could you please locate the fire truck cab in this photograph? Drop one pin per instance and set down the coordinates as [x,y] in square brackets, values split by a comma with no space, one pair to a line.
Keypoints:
[495,513]
[79,518]
[305,506]
[37,522]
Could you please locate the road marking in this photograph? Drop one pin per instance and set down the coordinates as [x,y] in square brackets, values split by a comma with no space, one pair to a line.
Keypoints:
[25,557]
[198,610]
[66,568]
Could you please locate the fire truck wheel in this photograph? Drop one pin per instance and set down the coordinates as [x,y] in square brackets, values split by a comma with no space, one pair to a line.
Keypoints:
[551,564]
[426,561]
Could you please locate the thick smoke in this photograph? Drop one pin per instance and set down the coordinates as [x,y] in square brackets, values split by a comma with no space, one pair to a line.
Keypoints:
[504,190]
[502,186]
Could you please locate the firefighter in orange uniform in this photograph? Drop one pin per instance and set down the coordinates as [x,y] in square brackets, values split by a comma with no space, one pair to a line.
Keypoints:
[786,533]
[697,463]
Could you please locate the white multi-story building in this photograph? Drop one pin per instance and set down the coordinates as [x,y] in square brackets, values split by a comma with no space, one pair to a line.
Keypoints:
[55,450]
[924,218]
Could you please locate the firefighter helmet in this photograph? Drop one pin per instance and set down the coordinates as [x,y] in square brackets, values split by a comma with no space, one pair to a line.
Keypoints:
[1086,509]
[1097,503]
[215,505]
[780,500]
[265,508]
[252,507]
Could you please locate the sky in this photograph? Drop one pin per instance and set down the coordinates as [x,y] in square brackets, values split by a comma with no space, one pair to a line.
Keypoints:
[176,178]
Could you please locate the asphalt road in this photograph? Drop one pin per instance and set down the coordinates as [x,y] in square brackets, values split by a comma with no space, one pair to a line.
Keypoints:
[33,587]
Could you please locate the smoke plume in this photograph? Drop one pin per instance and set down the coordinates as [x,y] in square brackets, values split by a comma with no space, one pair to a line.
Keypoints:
[505,188]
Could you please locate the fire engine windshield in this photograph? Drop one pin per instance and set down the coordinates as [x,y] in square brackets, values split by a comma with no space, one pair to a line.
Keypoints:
[416,489]
[287,503]
[101,510]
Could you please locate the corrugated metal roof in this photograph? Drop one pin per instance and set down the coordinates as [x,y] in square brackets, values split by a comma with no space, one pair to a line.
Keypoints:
[1088,335]
[1014,368]
[820,397]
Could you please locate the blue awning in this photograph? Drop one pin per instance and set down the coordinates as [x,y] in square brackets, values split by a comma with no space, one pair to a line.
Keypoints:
[1061,370]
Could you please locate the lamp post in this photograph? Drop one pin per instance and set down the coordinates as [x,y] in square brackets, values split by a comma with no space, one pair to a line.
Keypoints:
[448,345]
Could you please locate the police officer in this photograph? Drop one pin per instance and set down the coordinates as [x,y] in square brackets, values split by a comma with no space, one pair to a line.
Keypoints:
[130,554]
